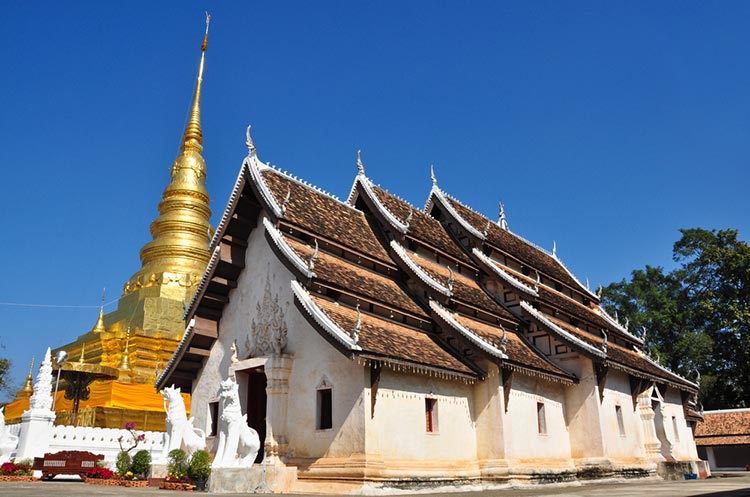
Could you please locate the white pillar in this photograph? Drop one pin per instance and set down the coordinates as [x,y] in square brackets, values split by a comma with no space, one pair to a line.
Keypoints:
[277,369]
[36,423]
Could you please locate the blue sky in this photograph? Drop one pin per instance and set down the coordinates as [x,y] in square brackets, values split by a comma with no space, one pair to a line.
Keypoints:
[606,126]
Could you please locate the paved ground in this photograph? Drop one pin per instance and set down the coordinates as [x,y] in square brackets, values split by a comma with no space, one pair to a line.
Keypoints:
[725,485]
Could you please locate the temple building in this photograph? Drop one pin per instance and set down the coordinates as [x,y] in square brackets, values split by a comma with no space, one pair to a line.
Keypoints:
[139,337]
[381,345]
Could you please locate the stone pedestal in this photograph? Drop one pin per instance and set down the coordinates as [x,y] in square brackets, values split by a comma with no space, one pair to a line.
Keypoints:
[258,479]
[36,431]
[277,369]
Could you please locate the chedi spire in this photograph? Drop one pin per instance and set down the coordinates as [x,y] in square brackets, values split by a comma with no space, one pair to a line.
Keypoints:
[178,252]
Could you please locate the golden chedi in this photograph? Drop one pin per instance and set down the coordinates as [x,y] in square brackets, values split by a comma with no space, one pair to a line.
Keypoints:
[139,337]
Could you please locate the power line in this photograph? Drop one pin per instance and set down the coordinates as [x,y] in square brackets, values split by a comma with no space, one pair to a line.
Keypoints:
[58,306]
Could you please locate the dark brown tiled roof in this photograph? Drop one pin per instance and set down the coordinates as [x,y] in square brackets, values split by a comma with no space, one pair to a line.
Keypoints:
[423,227]
[325,216]
[465,289]
[357,279]
[621,355]
[515,245]
[391,340]
[722,440]
[518,350]
[725,424]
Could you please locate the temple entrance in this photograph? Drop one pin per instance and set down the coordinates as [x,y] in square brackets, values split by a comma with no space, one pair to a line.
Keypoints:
[256,405]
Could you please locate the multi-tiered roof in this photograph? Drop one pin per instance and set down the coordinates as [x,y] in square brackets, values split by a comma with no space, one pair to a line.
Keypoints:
[440,290]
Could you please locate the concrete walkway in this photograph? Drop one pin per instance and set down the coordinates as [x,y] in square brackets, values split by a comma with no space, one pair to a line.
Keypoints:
[724,485]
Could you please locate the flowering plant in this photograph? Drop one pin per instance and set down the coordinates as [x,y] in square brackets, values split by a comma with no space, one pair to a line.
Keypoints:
[100,473]
[129,476]
[22,468]
[178,479]
[135,438]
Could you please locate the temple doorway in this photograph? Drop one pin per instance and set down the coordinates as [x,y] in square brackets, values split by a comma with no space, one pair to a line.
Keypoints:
[256,405]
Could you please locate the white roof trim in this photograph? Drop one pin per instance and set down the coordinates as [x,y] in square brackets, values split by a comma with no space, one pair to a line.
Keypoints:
[473,337]
[421,273]
[170,364]
[601,312]
[207,275]
[390,217]
[463,222]
[504,275]
[286,249]
[668,371]
[255,167]
[580,343]
[322,318]
[229,210]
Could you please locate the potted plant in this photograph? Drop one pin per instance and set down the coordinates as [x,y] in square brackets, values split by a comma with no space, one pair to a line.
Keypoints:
[141,464]
[199,469]
[177,478]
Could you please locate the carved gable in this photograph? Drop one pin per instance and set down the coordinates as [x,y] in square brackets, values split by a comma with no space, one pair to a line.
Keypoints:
[268,330]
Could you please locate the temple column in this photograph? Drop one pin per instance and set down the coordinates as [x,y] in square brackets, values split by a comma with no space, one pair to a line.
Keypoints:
[651,441]
[277,369]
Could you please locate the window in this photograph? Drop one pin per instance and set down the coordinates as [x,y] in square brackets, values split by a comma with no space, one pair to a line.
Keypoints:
[430,415]
[541,418]
[620,422]
[676,431]
[324,416]
[213,419]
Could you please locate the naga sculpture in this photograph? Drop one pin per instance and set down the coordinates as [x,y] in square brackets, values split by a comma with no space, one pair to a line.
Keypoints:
[181,434]
[238,443]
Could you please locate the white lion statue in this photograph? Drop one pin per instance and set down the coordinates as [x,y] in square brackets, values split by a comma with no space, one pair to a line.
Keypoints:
[238,443]
[181,434]
[8,441]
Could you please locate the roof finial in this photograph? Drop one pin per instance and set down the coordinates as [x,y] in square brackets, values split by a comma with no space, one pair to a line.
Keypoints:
[504,340]
[357,327]
[285,203]
[249,141]
[313,257]
[600,291]
[501,220]
[604,342]
[360,166]
[450,279]
[193,137]
[432,175]
[537,281]
[554,248]
[588,285]
[407,222]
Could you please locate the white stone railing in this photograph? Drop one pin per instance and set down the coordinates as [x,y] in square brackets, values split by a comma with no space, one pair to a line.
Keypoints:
[105,441]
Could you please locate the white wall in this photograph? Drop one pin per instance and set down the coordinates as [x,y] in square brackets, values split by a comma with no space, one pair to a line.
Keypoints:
[630,446]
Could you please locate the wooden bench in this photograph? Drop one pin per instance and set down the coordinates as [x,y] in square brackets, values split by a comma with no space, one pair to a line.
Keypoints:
[66,462]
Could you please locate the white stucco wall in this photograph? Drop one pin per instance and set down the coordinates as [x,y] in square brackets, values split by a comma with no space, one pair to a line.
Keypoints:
[630,446]
[683,444]
[398,428]
[523,441]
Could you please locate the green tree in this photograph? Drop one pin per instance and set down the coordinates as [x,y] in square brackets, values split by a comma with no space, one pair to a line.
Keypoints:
[697,315]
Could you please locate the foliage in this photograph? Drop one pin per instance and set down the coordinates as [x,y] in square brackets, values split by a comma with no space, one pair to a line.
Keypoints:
[200,465]
[141,464]
[100,473]
[696,317]
[20,468]
[4,375]
[176,465]
[122,463]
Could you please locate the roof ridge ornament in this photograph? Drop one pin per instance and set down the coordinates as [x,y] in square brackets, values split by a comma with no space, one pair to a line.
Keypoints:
[407,222]
[357,327]
[285,203]
[360,165]
[504,340]
[487,228]
[604,342]
[554,249]
[251,150]
[537,281]
[451,279]
[599,292]
[313,257]
[502,221]
[432,175]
